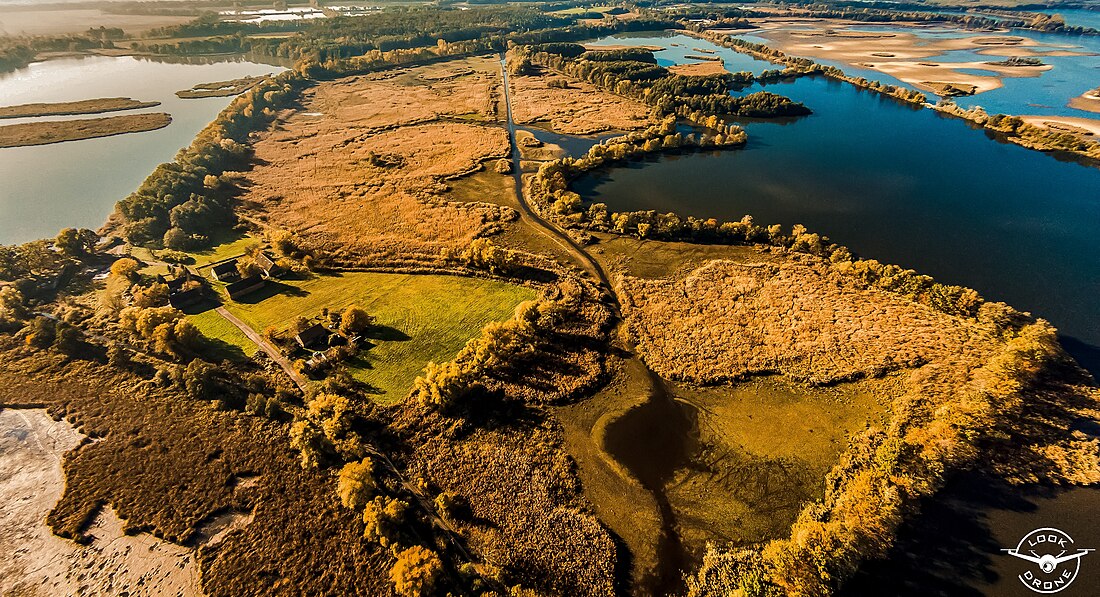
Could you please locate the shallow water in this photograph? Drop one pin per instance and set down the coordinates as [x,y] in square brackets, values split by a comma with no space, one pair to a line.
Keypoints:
[49,187]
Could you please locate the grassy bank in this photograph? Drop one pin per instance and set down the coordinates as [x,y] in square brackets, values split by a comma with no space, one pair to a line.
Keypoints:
[44,133]
[88,106]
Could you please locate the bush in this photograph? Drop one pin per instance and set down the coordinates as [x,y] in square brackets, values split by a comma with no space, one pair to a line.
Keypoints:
[355,484]
[416,572]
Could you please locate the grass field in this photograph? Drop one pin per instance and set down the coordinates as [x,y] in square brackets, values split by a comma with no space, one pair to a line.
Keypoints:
[421,317]
[230,342]
[231,244]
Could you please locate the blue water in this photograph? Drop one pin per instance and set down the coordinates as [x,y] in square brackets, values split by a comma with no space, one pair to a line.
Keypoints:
[901,185]
[678,47]
[1045,95]
[49,187]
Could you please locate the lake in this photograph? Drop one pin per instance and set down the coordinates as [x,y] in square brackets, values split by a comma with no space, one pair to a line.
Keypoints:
[1045,95]
[49,187]
[908,186]
[901,185]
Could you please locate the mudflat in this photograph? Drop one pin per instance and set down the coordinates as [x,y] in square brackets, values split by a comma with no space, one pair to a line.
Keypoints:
[44,133]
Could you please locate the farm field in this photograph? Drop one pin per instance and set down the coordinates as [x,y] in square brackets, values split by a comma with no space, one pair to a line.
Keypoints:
[421,318]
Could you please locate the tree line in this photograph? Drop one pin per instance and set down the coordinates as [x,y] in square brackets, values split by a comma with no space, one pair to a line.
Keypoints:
[182,201]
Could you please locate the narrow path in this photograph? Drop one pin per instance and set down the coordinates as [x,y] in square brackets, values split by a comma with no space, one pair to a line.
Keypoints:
[543,225]
[265,346]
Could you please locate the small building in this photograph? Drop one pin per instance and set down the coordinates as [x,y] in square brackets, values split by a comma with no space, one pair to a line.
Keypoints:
[186,298]
[314,335]
[226,271]
[267,265]
[244,286]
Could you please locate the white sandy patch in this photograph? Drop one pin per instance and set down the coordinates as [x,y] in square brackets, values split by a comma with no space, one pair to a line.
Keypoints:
[37,562]
[1087,127]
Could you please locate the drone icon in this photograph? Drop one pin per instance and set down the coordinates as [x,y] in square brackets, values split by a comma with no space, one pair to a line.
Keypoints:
[1048,548]
[1047,562]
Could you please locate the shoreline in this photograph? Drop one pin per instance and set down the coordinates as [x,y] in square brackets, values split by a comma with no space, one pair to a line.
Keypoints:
[74,108]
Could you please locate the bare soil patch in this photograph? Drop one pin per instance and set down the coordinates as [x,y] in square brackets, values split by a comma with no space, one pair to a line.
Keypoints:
[44,133]
[1088,101]
[88,106]
[1083,127]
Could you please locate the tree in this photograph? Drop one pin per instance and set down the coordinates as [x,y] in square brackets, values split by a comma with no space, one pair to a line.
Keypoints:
[199,381]
[354,320]
[416,572]
[76,243]
[356,484]
[154,295]
[125,268]
[12,303]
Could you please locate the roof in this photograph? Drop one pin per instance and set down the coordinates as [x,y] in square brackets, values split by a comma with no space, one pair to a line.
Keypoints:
[225,268]
[244,285]
[264,261]
[312,334]
[186,297]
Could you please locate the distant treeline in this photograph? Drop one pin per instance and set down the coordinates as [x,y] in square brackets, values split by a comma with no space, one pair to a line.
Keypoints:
[326,40]
[17,52]
[634,73]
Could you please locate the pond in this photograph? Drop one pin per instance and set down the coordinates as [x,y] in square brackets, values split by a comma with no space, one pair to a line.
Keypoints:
[49,187]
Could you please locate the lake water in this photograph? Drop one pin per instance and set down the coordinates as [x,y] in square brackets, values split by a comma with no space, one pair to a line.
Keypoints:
[908,186]
[49,187]
[904,186]
[1045,95]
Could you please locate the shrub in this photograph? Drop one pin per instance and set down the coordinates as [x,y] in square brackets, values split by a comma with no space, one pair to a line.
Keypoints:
[355,484]
[416,572]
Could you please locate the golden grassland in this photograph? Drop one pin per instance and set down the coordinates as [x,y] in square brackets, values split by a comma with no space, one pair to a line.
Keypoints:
[44,133]
[468,88]
[700,69]
[356,197]
[88,106]
[362,170]
[727,321]
[578,109]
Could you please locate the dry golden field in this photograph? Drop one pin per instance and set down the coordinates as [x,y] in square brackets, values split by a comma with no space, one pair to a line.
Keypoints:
[468,89]
[345,174]
[729,320]
[578,109]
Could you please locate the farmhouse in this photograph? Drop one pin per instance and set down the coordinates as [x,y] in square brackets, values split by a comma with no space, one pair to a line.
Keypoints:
[314,335]
[226,271]
[244,286]
[267,265]
[185,298]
